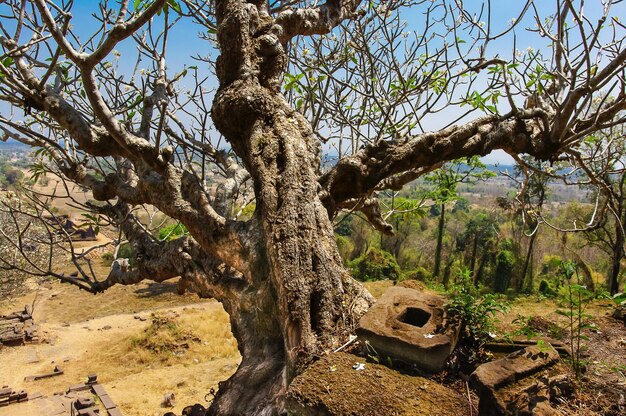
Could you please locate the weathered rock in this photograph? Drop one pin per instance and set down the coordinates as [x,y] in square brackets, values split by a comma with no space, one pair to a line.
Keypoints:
[561,386]
[620,313]
[18,328]
[169,400]
[503,345]
[336,385]
[195,410]
[513,367]
[529,401]
[412,326]
[499,388]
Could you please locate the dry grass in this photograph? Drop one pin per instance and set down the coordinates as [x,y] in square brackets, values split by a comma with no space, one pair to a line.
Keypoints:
[529,306]
[99,334]
[62,303]
[182,339]
[135,377]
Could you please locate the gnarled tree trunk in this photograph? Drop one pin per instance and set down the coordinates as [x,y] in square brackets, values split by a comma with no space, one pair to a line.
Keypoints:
[303,300]
[279,274]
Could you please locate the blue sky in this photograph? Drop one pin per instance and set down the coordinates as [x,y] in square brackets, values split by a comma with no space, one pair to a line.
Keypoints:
[184,43]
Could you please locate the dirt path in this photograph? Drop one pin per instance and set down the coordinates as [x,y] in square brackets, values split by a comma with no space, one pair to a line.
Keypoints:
[102,346]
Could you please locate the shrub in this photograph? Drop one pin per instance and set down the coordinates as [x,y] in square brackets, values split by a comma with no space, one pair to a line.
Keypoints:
[344,226]
[476,311]
[345,247]
[419,273]
[546,289]
[126,251]
[505,261]
[376,264]
[107,258]
[550,264]
[577,298]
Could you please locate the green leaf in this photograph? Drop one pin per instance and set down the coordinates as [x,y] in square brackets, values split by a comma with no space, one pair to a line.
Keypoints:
[90,217]
[7,62]
[175,6]
[619,298]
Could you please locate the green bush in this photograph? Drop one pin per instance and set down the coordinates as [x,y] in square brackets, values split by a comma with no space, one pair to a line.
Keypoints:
[419,273]
[546,289]
[505,262]
[376,264]
[550,264]
[107,258]
[345,247]
[344,226]
[476,311]
[577,298]
[126,251]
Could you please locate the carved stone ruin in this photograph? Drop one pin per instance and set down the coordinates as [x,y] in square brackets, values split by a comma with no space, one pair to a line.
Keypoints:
[411,326]
[520,384]
[18,328]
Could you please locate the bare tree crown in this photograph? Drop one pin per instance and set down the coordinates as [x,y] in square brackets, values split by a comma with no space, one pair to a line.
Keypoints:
[365,79]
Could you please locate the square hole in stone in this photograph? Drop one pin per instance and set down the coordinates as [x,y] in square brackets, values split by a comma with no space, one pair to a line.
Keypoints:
[414,316]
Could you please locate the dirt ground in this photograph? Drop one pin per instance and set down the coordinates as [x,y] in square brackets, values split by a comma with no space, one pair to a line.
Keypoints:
[107,334]
[601,389]
[333,384]
[84,334]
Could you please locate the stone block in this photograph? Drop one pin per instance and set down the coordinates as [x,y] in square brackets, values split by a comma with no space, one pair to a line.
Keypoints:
[411,326]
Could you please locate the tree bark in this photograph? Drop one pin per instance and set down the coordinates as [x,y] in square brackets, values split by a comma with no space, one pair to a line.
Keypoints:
[618,254]
[473,259]
[440,228]
[302,302]
[529,254]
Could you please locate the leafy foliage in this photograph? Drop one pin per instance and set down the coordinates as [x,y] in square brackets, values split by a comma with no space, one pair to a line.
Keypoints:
[376,264]
[505,263]
[577,297]
[419,273]
[172,231]
[477,311]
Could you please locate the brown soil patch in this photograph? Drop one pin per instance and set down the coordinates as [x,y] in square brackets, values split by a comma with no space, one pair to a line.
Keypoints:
[333,386]
[58,303]
[602,389]
[101,334]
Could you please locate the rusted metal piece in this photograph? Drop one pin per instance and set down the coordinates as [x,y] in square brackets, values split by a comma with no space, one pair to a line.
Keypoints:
[56,372]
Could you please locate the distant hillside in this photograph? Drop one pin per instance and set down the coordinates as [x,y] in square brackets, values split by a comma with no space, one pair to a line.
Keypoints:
[13,146]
